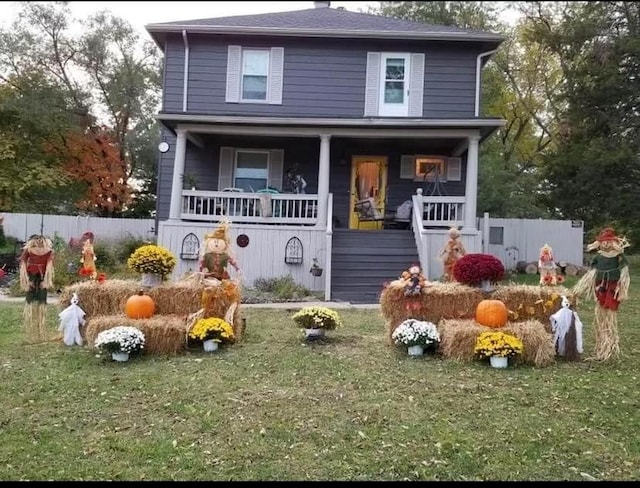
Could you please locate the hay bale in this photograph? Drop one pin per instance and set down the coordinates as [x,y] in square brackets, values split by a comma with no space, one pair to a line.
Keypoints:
[171,298]
[458,339]
[164,334]
[532,302]
[437,301]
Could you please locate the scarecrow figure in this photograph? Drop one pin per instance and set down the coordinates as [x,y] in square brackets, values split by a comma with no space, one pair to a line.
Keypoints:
[88,259]
[216,253]
[547,267]
[71,318]
[36,277]
[607,282]
[451,252]
[567,331]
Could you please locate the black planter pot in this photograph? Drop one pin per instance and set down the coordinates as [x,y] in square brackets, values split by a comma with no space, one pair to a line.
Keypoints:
[316,271]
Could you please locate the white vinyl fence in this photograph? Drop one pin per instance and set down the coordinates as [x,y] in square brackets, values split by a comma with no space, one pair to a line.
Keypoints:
[513,240]
[21,226]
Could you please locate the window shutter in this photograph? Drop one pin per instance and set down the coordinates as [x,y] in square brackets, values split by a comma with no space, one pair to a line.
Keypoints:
[372,88]
[234,62]
[276,163]
[454,169]
[225,174]
[416,85]
[276,68]
[406,167]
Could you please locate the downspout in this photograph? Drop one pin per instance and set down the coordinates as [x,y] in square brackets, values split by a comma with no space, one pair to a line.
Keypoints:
[186,70]
[478,71]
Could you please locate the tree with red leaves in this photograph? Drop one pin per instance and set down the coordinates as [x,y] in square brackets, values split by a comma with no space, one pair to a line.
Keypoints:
[94,160]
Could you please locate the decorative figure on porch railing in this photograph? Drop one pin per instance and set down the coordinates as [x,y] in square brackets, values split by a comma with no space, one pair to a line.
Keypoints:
[36,277]
[547,267]
[451,252]
[608,283]
[295,183]
[216,253]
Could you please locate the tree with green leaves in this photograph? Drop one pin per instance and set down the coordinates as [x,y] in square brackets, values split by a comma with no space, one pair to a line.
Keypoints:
[105,76]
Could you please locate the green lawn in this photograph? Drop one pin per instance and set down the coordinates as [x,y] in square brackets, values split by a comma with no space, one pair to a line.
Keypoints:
[353,408]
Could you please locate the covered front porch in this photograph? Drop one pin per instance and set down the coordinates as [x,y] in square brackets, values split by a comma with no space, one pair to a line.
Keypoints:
[328,156]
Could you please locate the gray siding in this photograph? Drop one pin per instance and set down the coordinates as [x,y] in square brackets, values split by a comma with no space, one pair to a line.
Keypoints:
[322,78]
[173,76]
[304,152]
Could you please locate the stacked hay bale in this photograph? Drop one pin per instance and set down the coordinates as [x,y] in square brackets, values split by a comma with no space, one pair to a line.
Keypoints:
[452,306]
[166,331]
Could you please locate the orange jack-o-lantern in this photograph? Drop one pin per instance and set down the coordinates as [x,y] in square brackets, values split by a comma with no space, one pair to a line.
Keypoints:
[492,313]
[139,306]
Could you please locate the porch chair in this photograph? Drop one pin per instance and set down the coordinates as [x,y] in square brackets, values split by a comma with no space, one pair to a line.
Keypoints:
[368,212]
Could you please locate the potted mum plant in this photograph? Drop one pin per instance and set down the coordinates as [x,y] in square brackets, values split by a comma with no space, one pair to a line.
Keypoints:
[478,269]
[211,332]
[120,341]
[316,320]
[498,347]
[416,335]
[153,262]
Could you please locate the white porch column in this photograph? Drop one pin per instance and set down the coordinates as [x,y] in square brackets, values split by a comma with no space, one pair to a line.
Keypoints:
[323,179]
[471,185]
[178,170]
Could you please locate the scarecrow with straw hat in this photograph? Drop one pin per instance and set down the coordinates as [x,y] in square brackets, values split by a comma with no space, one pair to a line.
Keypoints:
[36,277]
[607,282]
[216,253]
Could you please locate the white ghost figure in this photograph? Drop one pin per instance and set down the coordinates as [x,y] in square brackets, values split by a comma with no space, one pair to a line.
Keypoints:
[561,323]
[71,318]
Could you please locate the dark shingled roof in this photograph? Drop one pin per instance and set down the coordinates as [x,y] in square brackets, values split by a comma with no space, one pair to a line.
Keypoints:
[319,20]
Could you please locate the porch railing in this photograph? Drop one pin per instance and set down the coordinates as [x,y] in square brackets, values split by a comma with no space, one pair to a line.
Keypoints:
[258,208]
[441,211]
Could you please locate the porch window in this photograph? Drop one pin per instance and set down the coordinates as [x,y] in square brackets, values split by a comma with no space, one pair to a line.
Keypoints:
[251,170]
[255,73]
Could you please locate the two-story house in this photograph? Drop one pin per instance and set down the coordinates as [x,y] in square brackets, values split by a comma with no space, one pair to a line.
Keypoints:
[364,108]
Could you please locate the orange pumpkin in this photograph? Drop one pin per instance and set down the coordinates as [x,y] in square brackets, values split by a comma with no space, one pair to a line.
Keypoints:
[139,306]
[492,313]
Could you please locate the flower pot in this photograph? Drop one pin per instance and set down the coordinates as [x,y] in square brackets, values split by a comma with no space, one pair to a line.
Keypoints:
[316,271]
[313,333]
[120,356]
[151,279]
[210,345]
[499,361]
[417,350]
[486,285]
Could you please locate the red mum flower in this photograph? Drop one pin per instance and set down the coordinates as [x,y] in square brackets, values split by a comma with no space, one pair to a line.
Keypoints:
[559,279]
[472,269]
[101,278]
[547,279]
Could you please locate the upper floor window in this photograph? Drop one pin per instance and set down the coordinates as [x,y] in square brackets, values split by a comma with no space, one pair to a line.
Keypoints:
[394,91]
[394,85]
[254,75]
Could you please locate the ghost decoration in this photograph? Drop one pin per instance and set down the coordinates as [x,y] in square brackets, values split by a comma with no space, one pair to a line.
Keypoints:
[71,318]
[567,331]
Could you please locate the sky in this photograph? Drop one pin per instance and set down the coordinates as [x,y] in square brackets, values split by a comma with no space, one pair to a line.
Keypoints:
[138,14]
[141,13]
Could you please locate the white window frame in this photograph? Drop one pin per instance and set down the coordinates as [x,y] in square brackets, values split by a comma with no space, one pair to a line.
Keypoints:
[394,110]
[252,151]
[267,93]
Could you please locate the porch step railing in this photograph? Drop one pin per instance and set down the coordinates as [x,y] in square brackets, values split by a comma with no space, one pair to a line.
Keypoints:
[258,208]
